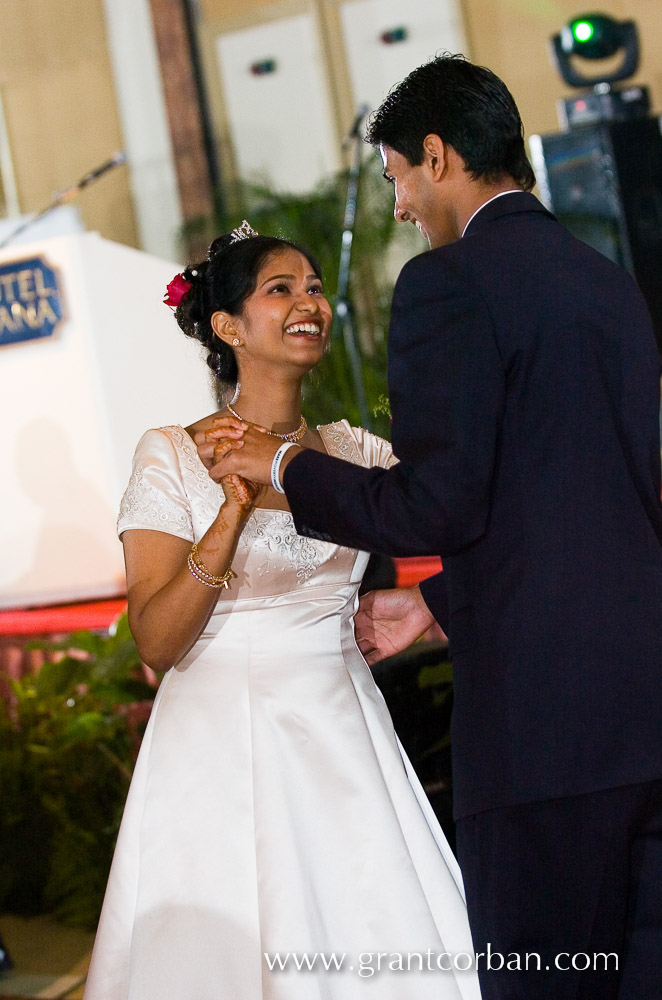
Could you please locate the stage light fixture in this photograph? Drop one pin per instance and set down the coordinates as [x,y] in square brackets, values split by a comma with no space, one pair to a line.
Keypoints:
[595,36]
[583,31]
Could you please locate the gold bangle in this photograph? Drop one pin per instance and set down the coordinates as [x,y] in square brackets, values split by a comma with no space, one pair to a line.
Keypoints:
[194,573]
[202,569]
[195,555]
[198,569]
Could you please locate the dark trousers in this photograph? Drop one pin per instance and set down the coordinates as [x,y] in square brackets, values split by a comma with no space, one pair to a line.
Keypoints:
[575,881]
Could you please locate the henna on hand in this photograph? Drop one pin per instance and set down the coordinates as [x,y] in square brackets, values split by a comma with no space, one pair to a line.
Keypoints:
[241,492]
[225,428]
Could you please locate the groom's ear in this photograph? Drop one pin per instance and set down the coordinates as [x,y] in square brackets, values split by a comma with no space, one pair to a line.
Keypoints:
[224,326]
[435,155]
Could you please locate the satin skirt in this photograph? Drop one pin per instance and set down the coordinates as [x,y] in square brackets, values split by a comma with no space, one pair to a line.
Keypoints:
[273,812]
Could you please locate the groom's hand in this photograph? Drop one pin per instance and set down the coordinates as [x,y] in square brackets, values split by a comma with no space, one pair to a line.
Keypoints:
[249,457]
[388,621]
[213,443]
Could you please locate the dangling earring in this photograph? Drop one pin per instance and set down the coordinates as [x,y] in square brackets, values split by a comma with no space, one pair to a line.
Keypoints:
[235,342]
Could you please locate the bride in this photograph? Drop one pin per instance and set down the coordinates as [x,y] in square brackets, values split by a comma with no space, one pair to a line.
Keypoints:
[275,842]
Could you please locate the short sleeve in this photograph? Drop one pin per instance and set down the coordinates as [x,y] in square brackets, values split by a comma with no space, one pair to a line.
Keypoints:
[376,451]
[356,445]
[155,497]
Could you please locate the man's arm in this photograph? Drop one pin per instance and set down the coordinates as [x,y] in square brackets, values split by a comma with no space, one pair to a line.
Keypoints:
[447,388]
[434,593]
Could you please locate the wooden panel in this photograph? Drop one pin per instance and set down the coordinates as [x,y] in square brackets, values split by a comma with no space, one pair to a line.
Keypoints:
[184,118]
[38,36]
[60,109]
[250,10]
[649,20]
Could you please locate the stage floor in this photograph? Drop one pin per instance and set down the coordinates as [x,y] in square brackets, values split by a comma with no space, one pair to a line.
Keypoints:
[50,960]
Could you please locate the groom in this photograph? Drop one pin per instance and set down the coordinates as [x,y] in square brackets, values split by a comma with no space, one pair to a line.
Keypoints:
[524,386]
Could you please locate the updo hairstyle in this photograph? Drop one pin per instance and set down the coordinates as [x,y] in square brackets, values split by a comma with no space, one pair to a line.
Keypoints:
[223,282]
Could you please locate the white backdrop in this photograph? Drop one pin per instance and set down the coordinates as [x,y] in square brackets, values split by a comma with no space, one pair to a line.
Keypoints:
[375,67]
[280,122]
[73,407]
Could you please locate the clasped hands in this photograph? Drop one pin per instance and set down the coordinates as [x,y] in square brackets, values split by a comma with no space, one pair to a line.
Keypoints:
[233,447]
[388,621]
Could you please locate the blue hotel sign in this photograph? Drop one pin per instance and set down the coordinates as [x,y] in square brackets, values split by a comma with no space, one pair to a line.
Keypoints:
[30,300]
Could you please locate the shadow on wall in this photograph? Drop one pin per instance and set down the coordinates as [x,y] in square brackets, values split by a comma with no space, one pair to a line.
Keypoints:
[68,551]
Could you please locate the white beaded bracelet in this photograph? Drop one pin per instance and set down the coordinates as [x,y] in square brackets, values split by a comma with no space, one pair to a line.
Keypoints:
[275,465]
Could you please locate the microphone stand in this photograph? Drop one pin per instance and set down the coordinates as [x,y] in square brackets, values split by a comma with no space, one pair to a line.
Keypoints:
[66,196]
[344,312]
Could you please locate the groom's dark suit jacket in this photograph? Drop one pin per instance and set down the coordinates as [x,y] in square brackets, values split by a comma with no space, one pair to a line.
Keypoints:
[524,385]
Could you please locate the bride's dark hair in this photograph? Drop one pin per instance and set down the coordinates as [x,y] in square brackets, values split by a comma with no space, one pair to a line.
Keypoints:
[223,282]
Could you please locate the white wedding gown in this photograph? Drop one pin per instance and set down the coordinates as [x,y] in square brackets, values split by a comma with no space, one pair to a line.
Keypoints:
[272,809]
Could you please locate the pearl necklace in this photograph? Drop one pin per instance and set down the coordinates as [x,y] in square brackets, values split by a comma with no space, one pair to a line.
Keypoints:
[293,436]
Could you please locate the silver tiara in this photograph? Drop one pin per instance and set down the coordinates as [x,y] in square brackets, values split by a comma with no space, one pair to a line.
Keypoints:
[243,232]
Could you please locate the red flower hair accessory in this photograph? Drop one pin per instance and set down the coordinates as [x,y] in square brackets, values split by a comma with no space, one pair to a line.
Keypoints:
[177,289]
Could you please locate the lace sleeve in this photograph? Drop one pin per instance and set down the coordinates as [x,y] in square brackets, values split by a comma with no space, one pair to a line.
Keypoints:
[155,497]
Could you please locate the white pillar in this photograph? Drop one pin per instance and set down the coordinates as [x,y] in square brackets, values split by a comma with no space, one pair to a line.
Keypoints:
[142,111]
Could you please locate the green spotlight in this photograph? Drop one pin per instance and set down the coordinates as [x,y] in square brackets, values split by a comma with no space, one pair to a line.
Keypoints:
[583,31]
[595,36]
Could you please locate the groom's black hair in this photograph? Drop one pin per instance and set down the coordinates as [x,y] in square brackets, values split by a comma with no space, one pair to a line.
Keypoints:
[468,107]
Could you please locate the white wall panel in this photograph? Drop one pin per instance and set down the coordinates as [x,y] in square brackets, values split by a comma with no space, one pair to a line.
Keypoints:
[374,66]
[73,406]
[280,122]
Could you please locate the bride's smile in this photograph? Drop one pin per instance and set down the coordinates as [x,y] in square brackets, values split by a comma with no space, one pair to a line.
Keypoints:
[287,308]
[304,330]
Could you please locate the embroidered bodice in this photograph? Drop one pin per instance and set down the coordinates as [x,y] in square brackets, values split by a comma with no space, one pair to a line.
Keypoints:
[170,490]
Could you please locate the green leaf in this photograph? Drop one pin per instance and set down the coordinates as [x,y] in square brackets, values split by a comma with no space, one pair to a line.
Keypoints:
[88,727]
[119,630]
[60,678]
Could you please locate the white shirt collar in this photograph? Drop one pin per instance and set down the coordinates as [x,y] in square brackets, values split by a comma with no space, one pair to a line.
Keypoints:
[493,198]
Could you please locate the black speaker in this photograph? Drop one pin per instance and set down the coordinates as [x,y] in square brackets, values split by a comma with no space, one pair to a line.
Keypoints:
[604,183]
